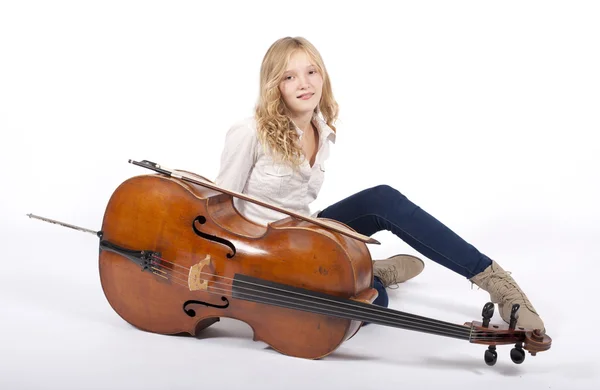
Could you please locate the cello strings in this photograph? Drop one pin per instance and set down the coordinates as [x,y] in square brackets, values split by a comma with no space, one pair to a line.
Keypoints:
[408,324]
[464,330]
[372,309]
[336,303]
[457,327]
[351,304]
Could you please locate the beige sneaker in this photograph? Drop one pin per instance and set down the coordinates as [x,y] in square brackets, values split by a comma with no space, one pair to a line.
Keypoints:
[505,292]
[397,269]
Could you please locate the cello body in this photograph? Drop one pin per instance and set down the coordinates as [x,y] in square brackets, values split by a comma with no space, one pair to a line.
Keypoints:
[202,243]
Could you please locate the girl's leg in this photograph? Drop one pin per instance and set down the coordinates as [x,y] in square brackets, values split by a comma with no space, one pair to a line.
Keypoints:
[384,208]
[382,299]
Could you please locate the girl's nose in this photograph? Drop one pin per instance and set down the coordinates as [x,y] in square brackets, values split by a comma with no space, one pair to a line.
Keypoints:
[303,83]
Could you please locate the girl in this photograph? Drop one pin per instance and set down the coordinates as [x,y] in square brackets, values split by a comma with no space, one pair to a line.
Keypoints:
[278,156]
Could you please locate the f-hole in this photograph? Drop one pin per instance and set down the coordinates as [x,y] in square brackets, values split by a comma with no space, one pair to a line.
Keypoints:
[202,220]
[192,312]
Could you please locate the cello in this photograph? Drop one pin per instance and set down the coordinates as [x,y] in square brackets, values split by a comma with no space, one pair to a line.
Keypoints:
[176,256]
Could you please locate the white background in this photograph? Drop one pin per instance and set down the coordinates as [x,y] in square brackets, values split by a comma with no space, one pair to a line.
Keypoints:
[484,114]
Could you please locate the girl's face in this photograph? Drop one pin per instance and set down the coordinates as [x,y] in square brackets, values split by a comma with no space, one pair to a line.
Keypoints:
[302,85]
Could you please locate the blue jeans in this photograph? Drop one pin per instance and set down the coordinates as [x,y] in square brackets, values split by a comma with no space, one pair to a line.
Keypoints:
[385,208]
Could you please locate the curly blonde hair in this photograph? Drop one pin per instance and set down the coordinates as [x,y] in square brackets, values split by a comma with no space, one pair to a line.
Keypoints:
[275,129]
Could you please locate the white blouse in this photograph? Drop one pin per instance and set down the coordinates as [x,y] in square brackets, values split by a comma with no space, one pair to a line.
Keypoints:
[247,169]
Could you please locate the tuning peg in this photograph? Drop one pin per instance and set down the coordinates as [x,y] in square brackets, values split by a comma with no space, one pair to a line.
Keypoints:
[490,356]
[487,313]
[514,316]
[517,354]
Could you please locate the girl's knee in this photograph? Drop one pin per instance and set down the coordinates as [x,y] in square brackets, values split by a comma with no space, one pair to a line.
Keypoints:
[386,192]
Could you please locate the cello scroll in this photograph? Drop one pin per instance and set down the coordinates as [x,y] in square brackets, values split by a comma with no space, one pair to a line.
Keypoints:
[530,340]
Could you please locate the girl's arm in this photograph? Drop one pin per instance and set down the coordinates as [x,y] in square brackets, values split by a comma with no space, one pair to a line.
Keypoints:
[238,157]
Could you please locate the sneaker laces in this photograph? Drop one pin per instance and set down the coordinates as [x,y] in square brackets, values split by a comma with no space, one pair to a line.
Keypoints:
[388,276]
[502,287]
